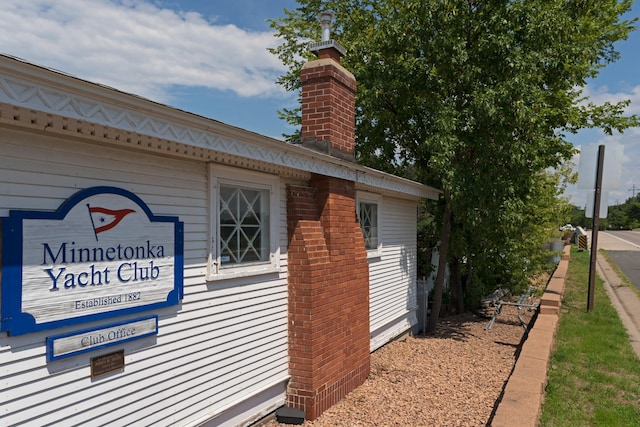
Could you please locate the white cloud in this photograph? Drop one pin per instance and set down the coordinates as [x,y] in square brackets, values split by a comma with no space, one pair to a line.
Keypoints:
[137,47]
[630,140]
[630,172]
[601,94]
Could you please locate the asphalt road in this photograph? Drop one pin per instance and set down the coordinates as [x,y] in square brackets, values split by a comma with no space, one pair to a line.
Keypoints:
[624,249]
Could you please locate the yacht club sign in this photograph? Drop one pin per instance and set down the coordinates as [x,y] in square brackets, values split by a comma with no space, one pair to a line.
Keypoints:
[101,254]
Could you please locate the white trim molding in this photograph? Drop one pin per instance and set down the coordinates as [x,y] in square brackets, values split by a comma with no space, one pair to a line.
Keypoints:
[39,89]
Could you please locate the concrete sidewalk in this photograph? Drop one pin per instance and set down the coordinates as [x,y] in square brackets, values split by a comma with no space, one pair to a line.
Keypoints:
[623,299]
[610,242]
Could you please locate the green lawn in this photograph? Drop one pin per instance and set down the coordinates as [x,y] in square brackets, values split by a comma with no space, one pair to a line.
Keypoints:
[594,375]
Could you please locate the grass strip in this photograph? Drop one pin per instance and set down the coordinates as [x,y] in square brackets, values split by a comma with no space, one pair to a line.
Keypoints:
[594,374]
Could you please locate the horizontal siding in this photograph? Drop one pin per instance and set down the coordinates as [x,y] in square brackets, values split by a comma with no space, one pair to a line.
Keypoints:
[225,343]
[392,276]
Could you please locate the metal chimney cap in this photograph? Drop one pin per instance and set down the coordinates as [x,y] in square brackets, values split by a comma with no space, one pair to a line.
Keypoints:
[325,19]
[326,16]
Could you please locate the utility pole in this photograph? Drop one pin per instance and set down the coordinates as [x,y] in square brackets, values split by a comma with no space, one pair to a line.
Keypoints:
[633,189]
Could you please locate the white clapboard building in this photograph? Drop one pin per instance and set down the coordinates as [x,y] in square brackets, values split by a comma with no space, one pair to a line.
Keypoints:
[162,268]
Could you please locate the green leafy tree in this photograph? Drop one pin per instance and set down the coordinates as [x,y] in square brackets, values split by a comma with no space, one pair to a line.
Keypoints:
[617,218]
[577,217]
[625,216]
[632,209]
[474,97]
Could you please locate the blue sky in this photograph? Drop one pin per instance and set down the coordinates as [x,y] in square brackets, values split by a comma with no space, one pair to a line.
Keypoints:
[209,58]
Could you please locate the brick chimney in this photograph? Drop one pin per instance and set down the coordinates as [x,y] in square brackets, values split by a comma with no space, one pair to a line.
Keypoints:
[328,272]
[328,99]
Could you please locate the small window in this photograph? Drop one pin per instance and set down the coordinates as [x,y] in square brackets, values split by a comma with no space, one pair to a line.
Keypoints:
[369,224]
[244,223]
[369,218]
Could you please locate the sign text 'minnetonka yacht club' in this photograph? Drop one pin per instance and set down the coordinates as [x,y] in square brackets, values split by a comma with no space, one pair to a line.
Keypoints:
[130,264]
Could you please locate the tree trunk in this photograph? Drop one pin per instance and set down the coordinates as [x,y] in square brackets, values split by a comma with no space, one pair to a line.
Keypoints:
[457,300]
[445,235]
[467,283]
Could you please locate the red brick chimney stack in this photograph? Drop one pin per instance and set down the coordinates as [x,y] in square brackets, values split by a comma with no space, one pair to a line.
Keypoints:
[328,272]
[328,98]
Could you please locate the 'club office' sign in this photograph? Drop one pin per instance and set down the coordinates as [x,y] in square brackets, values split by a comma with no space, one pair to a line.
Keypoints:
[101,254]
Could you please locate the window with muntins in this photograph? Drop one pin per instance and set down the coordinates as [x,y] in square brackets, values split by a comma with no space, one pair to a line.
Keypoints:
[244,223]
[369,207]
[368,213]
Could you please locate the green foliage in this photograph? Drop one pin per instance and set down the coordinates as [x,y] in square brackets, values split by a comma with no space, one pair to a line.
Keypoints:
[625,216]
[578,218]
[475,98]
[428,212]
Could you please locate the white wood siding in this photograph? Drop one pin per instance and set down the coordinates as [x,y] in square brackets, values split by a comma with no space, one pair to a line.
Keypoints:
[222,353]
[392,276]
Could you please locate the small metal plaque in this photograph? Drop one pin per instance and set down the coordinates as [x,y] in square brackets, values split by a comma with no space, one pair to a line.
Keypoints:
[107,363]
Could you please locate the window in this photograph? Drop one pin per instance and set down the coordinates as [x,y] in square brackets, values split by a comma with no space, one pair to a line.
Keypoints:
[369,217]
[369,224]
[244,221]
[244,225]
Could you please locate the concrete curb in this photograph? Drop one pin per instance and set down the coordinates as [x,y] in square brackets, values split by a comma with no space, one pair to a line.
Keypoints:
[524,393]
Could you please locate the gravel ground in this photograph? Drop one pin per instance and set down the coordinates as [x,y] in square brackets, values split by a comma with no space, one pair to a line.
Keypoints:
[453,377]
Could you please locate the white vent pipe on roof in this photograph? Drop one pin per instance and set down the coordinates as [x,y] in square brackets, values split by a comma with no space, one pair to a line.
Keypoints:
[325,20]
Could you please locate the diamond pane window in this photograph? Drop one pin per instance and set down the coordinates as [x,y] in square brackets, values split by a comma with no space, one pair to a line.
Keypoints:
[369,224]
[244,225]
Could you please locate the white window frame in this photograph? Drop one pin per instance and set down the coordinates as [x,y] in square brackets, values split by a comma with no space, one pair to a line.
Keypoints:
[234,177]
[373,199]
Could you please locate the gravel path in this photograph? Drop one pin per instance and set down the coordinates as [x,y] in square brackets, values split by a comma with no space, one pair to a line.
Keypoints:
[452,378]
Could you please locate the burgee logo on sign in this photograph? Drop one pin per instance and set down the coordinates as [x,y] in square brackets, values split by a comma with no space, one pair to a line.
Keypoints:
[101,254]
[101,215]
